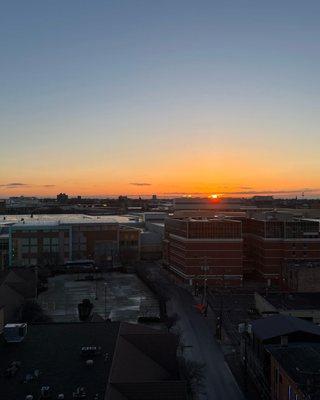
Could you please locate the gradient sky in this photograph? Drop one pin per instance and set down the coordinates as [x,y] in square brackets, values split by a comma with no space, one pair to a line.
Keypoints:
[105,97]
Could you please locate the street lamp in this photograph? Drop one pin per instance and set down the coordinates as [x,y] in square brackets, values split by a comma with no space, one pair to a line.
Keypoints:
[105,301]
[205,269]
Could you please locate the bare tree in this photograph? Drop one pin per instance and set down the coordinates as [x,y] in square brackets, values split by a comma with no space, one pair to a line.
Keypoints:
[193,373]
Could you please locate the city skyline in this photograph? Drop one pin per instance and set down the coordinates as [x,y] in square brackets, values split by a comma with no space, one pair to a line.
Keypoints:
[106,99]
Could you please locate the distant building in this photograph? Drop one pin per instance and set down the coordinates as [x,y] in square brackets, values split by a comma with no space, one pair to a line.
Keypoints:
[62,198]
[53,240]
[22,202]
[196,249]
[263,201]
[207,203]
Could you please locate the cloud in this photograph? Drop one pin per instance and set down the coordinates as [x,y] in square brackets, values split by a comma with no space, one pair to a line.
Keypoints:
[246,188]
[140,184]
[270,192]
[13,185]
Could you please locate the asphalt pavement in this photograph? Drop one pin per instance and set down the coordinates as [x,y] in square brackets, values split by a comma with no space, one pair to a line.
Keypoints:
[201,346]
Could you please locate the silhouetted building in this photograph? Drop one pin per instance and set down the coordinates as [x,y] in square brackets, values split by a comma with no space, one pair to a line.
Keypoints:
[62,198]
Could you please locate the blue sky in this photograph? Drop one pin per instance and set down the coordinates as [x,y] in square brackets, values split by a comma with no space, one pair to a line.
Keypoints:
[189,96]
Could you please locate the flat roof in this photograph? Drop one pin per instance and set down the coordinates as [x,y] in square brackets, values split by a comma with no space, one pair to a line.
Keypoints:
[294,301]
[54,350]
[63,219]
[299,360]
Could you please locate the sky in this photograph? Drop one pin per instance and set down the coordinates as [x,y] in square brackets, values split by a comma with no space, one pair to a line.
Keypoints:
[169,97]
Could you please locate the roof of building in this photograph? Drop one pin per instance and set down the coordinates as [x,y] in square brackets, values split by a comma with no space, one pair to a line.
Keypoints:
[299,360]
[55,351]
[37,220]
[145,366]
[133,359]
[294,301]
[279,325]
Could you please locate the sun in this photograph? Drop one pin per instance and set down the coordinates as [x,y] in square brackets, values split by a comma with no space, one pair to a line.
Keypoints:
[213,196]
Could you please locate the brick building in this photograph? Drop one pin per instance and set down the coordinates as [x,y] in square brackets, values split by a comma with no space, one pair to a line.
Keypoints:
[301,276]
[294,371]
[270,240]
[56,242]
[260,335]
[204,248]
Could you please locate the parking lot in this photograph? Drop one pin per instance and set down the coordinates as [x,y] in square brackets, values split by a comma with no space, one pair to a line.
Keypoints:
[118,296]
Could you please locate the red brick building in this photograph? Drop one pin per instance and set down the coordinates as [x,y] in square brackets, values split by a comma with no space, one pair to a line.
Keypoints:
[204,248]
[55,243]
[269,242]
[294,373]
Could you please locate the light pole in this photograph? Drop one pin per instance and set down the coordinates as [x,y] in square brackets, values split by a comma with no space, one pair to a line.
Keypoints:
[105,301]
[205,269]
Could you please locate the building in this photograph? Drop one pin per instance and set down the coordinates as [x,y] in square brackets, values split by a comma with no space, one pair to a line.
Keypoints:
[272,239]
[207,203]
[199,249]
[62,198]
[152,235]
[102,360]
[16,287]
[22,203]
[300,305]
[294,371]
[280,330]
[301,276]
[48,240]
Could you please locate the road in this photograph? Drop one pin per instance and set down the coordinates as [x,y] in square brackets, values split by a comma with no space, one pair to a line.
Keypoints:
[219,382]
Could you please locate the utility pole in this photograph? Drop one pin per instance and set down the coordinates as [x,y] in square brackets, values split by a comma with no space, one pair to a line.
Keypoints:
[205,269]
[105,301]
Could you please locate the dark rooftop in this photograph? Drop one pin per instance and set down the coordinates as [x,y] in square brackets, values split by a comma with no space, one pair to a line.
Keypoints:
[55,351]
[135,362]
[279,325]
[294,301]
[299,360]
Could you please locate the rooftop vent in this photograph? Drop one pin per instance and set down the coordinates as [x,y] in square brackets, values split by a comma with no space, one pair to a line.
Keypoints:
[45,392]
[15,333]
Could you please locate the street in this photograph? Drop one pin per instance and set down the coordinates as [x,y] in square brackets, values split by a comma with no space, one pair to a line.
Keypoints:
[219,382]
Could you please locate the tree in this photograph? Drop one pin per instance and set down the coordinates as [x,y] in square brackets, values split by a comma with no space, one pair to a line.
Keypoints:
[193,373]
[171,320]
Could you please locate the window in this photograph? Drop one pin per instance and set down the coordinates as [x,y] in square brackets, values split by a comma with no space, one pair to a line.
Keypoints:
[54,241]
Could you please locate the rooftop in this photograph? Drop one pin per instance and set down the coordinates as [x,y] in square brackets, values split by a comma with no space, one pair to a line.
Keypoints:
[53,352]
[63,219]
[279,325]
[129,362]
[299,360]
[294,301]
